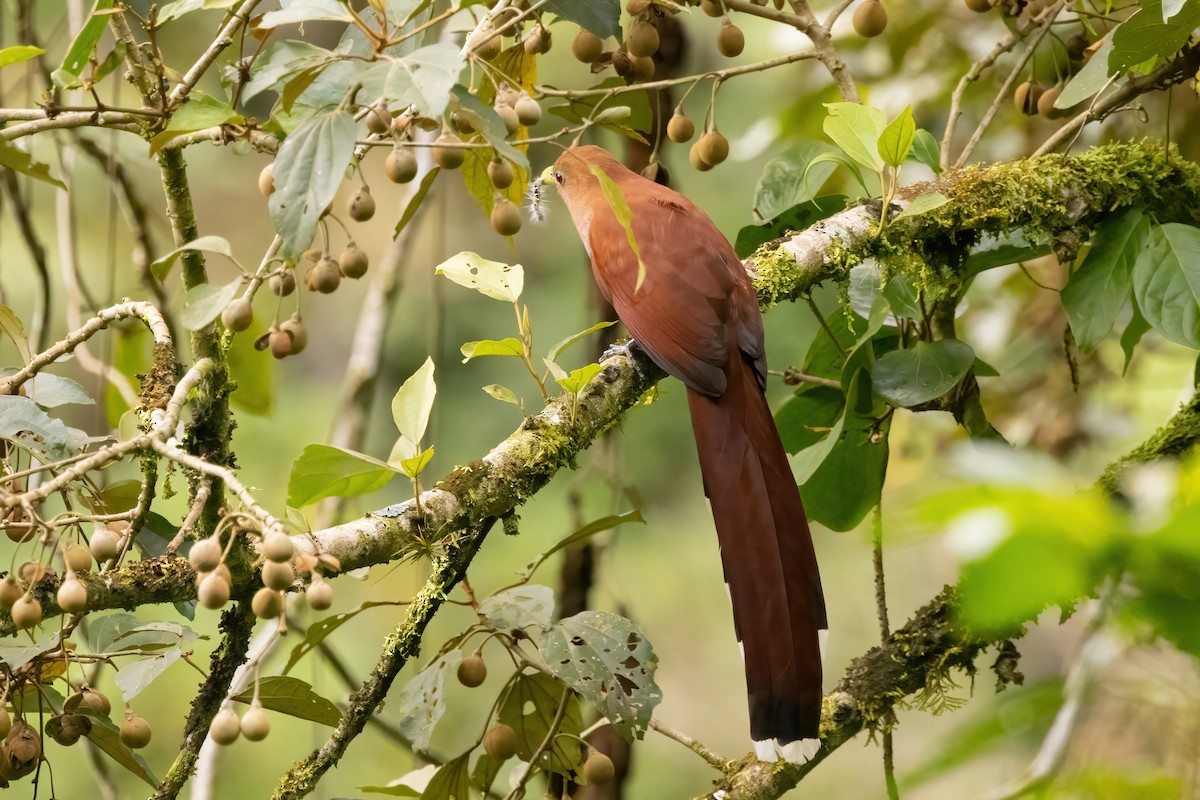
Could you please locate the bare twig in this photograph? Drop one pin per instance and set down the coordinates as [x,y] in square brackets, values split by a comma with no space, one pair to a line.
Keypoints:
[695,746]
[222,40]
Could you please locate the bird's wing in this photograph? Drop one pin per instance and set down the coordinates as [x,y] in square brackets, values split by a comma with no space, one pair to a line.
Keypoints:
[690,294]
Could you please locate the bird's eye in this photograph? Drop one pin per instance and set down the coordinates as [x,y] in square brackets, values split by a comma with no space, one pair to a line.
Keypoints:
[559,178]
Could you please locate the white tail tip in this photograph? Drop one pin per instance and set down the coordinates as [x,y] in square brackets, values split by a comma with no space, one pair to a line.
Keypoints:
[800,751]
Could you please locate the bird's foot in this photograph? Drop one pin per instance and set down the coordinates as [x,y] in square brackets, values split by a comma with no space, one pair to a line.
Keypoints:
[626,348]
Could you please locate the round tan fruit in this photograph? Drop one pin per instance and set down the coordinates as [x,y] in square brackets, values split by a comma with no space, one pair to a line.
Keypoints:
[255,723]
[509,117]
[266,180]
[529,111]
[32,572]
[500,173]
[446,153]
[225,727]
[205,554]
[500,742]
[238,315]
[103,545]
[267,603]
[697,161]
[72,595]
[278,576]
[278,547]
[538,41]
[379,118]
[714,148]
[135,731]
[26,612]
[283,283]
[643,68]
[325,276]
[487,44]
[77,558]
[714,8]
[319,594]
[1026,97]
[587,47]
[598,768]
[642,39]
[1045,103]
[730,40]
[472,671]
[362,205]
[299,333]
[10,592]
[680,128]
[280,343]
[213,591]
[401,165]
[870,19]
[353,261]
[506,218]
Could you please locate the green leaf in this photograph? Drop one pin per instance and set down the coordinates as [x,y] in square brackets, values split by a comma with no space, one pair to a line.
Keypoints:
[412,467]
[848,482]
[418,197]
[836,157]
[23,422]
[325,471]
[452,781]
[10,326]
[902,297]
[177,9]
[601,17]
[926,150]
[204,303]
[530,708]
[81,49]
[788,179]
[18,53]
[485,120]
[608,660]
[18,160]
[107,739]
[490,347]
[52,391]
[1097,291]
[922,203]
[198,113]
[1166,282]
[808,417]
[492,279]
[1091,78]
[422,701]
[582,533]
[620,209]
[293,697]
[424,78]
[1000,251]
[578,378]
[921,373]
[1145,36]
[410,785]
[161,266]
[502,393]
[529,608]
[296,11]
[563,344]
[281,59]
[897,139]
[15,656]
[796,218]
[137,675]
[321,629]
[856,130]
[413,403]
[1132,334]
[308,170]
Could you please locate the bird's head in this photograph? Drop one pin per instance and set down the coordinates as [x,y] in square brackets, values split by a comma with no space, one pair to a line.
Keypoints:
[574,176]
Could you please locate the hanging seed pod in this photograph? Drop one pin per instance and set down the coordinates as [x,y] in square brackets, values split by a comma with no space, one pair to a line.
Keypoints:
[283,283]
[643,68]
[697,162]
[1045,103]
[72,595]
[379,118]
[77,558]
[278,547]
[88,699]
[529,111]
[486,44]
[319,594]
[500,742]
[870,19]
[362,205]
[730,40]
[714,148]
[267,603]
[445,154]
[10,592]
[713,8]
[104,545]
[255,724]
[266,180]
[299,333]
[278,576]
[26,612]
[1026,96]
[135,731]
[225,727]
[213,591]
[509,117]
[205,554]
[598,769]
[21,752]
[680,128]
[238,315]
[587,46]
[401,165]
[538,41]
[353,261]
[280,343]
[506,218]
[642,39]
[472,671]
[324,277]
[500,173]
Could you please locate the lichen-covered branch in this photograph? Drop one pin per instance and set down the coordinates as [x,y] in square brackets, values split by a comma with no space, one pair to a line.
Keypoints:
[1177,437]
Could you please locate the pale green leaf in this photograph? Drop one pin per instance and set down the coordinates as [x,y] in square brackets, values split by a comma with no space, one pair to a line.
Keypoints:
[18,53]
[413,403]
[922,203]
[161,266]
[205,302]
[293,697]
[563,344]
[897,138]
[325,471]
[18,160]
[412,467]
[492,279]
[616,200]
[578,378]
[490,347]
[502,393]
[856,130]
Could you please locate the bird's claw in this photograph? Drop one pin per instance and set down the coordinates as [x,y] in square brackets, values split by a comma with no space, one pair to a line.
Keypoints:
[625,348]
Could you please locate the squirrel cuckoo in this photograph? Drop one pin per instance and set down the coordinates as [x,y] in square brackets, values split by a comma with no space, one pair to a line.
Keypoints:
[696,316]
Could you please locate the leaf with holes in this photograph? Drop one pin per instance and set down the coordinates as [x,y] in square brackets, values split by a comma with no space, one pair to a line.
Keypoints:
[423,700]
[609,661]
[452,781]
[530,708]
[524,607]
[492,279]
[295,698]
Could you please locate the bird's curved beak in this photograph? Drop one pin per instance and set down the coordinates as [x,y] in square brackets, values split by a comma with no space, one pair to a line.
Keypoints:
[547,175]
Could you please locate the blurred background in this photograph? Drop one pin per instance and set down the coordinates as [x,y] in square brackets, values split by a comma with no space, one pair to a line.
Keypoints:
[665,574]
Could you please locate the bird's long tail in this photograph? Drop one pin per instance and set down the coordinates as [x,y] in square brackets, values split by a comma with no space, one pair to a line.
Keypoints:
[770,566]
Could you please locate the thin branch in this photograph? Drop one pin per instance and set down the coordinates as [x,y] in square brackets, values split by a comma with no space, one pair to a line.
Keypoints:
[223,39]
[119,120]
[695,746]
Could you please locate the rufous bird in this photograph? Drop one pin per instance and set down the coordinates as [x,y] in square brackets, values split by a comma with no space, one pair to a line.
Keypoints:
[696,316]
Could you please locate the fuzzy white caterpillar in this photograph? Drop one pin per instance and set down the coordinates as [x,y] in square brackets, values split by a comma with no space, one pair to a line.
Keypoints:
[535,201]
